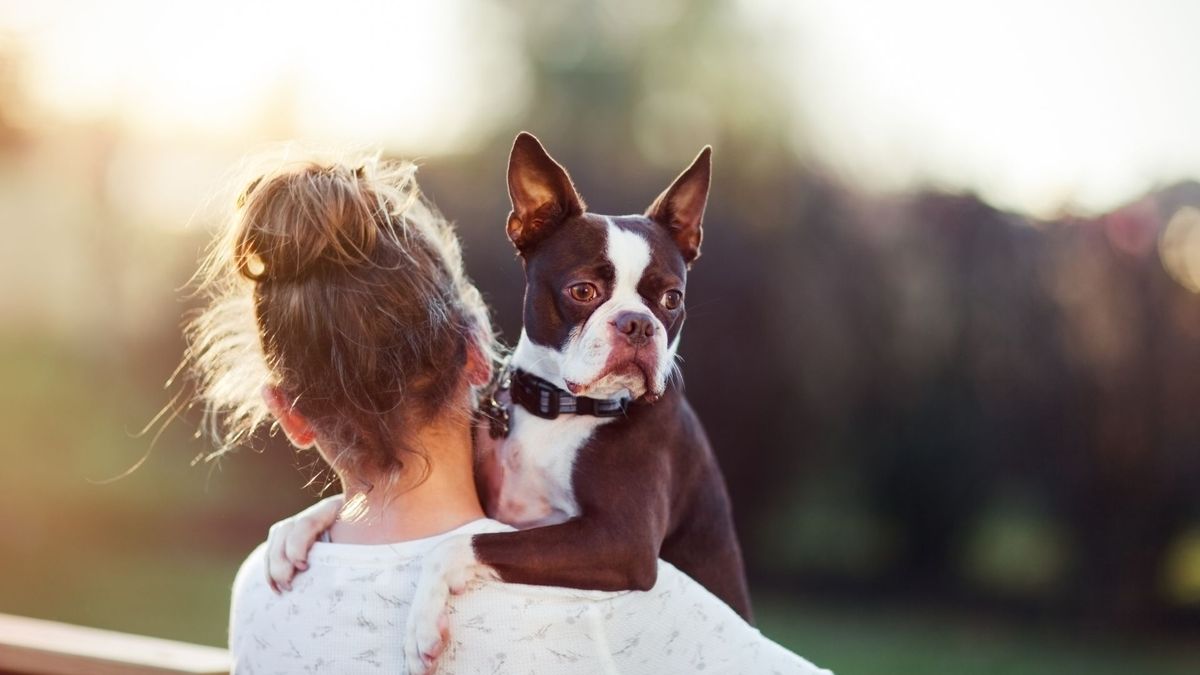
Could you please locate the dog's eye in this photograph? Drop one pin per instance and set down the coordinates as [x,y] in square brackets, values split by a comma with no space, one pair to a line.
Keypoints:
[672,299]
[583,292]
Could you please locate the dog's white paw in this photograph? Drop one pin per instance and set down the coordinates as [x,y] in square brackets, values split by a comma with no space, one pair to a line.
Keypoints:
[425,642]
[447,570]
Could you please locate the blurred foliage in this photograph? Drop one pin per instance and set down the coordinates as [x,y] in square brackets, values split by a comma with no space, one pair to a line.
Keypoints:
[917,399]
[887,640]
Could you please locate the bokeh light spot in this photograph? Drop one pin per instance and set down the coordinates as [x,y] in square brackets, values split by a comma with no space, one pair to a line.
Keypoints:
[1179,248]
[1183,568]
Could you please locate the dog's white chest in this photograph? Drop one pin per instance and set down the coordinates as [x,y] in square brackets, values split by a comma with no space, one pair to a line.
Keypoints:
[536,462]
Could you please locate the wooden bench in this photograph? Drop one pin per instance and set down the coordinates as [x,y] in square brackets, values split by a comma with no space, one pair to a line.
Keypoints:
[30,646]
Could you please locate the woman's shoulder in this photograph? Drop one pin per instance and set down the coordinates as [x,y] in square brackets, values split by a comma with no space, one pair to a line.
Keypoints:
[251,576]
[250,594]
[689,625]
[671,593]
[676,626]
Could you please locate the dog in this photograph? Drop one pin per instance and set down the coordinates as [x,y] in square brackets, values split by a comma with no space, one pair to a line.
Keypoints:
[605,466]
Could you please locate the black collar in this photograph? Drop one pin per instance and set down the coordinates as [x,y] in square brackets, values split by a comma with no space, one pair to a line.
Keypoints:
[547,401]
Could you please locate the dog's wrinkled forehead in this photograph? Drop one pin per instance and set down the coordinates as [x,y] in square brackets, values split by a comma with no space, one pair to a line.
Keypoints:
[628,254]
[665,257]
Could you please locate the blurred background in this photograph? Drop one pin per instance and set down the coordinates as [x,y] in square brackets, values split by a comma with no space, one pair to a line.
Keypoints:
[945,334]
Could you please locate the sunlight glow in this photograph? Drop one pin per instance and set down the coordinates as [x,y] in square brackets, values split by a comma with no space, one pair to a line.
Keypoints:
[1041,106]
[1037,104]
[401,73]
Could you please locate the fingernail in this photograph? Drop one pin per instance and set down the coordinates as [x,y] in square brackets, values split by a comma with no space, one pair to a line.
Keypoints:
[301,565]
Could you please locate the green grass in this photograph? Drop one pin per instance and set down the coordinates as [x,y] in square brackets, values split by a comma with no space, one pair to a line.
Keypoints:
[174,596]
[898,641]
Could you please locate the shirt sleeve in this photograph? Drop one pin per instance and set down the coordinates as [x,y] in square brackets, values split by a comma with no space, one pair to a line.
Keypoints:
[250,596]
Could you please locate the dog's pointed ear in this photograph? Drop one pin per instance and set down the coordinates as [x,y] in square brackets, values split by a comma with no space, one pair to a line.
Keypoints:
[680,208]
[541,191]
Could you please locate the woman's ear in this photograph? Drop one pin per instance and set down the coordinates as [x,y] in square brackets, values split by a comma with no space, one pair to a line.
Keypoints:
[479,367]
[294,425]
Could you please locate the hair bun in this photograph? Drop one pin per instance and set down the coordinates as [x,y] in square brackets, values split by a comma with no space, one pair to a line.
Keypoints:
[299,221]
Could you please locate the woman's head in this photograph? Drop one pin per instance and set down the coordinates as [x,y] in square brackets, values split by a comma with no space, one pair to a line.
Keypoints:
[338,295]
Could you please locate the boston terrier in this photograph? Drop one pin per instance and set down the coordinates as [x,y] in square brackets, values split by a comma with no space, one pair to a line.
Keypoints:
[603,463]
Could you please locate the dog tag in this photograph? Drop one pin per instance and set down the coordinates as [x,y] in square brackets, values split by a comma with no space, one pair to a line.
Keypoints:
[496,412]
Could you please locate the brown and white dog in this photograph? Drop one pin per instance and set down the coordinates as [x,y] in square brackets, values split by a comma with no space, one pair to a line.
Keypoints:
[605,467]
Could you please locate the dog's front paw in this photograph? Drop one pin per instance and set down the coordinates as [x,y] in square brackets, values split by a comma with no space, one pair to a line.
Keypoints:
[426,640]
[447,570]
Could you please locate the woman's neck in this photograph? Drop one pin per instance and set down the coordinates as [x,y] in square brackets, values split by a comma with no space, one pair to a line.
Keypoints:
[446,499]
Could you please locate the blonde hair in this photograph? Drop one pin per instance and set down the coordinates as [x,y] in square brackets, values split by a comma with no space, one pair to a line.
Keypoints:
[338,283]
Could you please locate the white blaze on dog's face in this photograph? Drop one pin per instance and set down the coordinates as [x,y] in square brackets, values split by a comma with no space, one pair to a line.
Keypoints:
[604,297]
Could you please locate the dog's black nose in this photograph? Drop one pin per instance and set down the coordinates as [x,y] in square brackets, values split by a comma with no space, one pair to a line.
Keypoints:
[638,328]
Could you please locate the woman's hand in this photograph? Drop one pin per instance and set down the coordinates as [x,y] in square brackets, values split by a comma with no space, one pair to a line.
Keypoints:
[288,541]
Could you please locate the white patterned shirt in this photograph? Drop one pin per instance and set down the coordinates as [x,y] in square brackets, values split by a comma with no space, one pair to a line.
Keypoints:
[347,613]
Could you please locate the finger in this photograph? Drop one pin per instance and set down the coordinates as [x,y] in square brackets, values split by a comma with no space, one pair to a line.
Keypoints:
[275,538]
[325,511]
[334,504]
[272,537]
[298,541]
[270,581]
[279,567]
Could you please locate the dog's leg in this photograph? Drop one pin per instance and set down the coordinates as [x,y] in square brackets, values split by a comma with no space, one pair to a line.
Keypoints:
[587,554]
[447,570]
[612,546]
[580,553]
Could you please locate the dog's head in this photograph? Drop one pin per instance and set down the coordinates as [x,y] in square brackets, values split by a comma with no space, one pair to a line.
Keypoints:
[604,295]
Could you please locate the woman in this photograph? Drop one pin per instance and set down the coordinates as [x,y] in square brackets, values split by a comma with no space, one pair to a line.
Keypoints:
[341,311]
